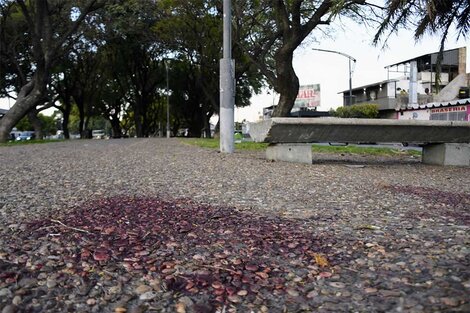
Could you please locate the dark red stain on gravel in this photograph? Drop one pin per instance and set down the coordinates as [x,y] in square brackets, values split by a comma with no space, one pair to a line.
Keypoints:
[196,249]
[457,204]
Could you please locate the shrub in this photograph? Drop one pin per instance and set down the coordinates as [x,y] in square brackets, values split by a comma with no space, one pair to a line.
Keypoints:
[357,111]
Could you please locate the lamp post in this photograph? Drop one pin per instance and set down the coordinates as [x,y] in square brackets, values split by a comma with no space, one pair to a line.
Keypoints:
[350,70]
[167,101]
[227,85]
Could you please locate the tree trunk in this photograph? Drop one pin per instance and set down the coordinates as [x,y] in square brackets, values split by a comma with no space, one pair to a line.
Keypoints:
[116,127]
[138,124]
[138,118]
[207,126]
[81,115]
[65,126]
[65,119]
[36,123]
[86,133]
[287,83]
[29,97]
[66,109]
[217,129]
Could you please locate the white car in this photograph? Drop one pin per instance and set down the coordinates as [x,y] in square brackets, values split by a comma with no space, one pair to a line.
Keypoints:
[23,137]
[97,134]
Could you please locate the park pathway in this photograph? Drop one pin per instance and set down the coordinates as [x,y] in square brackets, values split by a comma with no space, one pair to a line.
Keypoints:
[135,225]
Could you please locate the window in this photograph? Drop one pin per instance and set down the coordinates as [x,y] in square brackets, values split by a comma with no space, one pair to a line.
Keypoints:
[457,116]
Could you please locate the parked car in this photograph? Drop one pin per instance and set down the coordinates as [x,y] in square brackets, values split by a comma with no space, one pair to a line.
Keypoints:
[97,134]
[24,137]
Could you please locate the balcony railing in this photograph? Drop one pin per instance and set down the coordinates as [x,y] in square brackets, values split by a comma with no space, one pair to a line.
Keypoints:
[390,103]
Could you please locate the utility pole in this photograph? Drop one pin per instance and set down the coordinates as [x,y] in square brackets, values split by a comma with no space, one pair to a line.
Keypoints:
[350,69]
[413,89]
[227,85]
[167,101]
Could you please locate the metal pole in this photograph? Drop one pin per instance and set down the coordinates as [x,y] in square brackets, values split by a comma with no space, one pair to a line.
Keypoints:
[227,85]
[167,102]
[227,24]
[350,72]
[350,83]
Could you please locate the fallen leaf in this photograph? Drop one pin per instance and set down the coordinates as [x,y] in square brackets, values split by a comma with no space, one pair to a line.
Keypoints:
[180,308]
[100,255]
[325,274]
[368,227]
[263,275]
[217,285]
[234,299]
[292,292]
[251,267]
[321,260]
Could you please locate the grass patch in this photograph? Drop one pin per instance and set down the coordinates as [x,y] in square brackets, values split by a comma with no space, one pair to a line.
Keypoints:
[362,150]
[200,142]
[214,144]
[29,142]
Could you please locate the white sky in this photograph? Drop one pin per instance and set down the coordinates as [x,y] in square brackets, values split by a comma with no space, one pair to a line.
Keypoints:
[330,70]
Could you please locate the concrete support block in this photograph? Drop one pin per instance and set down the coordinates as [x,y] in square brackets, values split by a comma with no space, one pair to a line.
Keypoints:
[298,153]
[457,154]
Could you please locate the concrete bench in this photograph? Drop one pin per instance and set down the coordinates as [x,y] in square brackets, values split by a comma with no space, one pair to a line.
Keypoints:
[290,139]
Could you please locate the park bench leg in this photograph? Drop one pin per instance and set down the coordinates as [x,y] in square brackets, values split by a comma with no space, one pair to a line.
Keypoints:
[298,153]
[457,154]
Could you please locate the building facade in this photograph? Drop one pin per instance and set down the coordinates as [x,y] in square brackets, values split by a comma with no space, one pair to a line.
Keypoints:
[457,110]
[416,89]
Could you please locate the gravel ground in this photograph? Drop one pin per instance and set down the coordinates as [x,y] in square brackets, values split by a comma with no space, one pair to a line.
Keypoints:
[392,235]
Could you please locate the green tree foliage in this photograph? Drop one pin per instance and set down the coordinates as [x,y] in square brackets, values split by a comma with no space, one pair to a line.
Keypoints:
[191,32]
[50,30]
[426,16]
[49,124]
[111,64]
[357,111]
[134,53]
[15,49]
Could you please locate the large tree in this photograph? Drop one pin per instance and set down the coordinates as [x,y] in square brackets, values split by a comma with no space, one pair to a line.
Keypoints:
[274,29]
[50,27]
[192,33]
[15,62]
[137,66]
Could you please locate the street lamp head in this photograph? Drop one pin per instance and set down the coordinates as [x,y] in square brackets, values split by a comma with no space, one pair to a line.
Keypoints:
[337,52]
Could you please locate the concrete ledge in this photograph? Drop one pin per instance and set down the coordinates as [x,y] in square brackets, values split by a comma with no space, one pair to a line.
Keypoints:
[445,142]
[298,153]
[457,154]
[310,130]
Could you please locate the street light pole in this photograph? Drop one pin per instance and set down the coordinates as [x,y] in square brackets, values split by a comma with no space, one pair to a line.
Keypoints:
[350,82]
[227,84]
[350,70]
[167,101]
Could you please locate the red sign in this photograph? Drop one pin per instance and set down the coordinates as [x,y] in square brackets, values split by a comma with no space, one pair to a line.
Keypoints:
[449,109]
[308,96]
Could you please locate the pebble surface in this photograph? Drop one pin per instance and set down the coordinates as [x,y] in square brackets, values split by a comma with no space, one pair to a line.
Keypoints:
[402,228]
